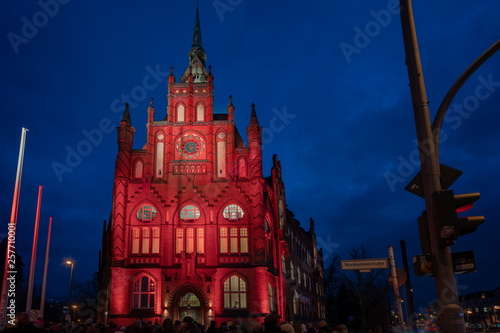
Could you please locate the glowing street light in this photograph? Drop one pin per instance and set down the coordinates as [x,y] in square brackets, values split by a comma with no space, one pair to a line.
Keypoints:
[69,262]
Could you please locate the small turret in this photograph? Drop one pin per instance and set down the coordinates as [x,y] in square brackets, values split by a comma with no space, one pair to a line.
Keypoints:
[125,143]
[230,109]
[148,169]
[254,133]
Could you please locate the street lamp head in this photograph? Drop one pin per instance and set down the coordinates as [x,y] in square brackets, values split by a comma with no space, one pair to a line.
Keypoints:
[69,262]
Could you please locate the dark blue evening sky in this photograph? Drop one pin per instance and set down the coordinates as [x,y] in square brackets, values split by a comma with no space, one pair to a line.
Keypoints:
[336,69]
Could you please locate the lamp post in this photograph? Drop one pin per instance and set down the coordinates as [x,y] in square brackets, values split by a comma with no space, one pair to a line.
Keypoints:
[69,262]
[74,312]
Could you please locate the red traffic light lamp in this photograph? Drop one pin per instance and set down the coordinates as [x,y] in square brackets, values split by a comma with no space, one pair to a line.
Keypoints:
[450,226]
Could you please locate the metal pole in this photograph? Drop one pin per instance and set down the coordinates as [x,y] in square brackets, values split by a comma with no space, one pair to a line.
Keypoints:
[42,302]
[33,253]
[9,271]
[70,282]
[409,293]
[396,289]
[450,313]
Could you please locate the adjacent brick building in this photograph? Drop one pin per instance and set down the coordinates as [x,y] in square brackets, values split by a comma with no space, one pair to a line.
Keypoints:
[195,228]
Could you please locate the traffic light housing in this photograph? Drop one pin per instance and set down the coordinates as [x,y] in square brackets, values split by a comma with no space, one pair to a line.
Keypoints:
[450,226]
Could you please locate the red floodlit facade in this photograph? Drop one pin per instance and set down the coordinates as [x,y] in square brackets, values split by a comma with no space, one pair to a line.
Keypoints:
[195,228]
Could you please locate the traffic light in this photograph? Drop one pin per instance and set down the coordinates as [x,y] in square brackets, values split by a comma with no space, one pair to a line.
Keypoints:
[446,207]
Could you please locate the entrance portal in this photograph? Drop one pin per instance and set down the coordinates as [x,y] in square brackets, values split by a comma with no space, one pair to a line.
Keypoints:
[189,305]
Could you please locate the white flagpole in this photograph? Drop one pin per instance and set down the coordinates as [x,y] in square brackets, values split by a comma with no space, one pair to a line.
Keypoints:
[9,272]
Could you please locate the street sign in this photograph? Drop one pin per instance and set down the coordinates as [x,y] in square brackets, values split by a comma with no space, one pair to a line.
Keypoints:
[400,274]
[364,264]
[448,176]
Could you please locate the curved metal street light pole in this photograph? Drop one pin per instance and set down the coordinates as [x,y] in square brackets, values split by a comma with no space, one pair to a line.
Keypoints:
[445,104]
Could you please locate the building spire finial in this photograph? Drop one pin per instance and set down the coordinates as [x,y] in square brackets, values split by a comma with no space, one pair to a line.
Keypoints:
[126,115]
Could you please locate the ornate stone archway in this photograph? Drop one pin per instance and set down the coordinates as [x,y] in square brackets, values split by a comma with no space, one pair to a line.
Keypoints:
[189,301]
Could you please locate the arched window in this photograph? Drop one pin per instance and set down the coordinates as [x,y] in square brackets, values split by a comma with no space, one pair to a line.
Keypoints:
[242,168]
[235,293]
[144,293]
[200,113]
[189,213]
[291,271]
[295,303]
[189,300]
[281,213]
[272,298]
[146,213]
[138,169]
[180,113]
[232,213]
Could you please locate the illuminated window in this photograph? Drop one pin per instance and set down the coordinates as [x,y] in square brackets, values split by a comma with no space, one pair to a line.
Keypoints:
[235,293]
[233,236]
[266,226]
[283,265]
[243,240]
[145,240]
[299,275]
[223,240]
[291,271]
[272,297]
[281,214]
[156,241]
[146,213]
[179,240]
[189,240]
[135,240]
[144,293]
[189,300]
[232,213]
[180,113]
[189,213]
[200,113]
[200,240]
[295,303]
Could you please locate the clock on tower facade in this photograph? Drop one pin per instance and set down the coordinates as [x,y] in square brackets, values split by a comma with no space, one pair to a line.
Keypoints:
[195,228]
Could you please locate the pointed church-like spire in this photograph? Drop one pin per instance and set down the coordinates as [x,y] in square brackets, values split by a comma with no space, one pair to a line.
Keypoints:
[197,42]
[253,117]
[126,115]
[197,45]
[197,55]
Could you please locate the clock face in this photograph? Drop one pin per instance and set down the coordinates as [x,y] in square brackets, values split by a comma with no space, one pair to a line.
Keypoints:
[190,146]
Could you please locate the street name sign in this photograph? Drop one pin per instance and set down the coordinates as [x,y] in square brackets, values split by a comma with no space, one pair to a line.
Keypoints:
[364,264]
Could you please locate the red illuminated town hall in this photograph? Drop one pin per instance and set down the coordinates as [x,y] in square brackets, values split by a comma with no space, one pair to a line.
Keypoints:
[195,228]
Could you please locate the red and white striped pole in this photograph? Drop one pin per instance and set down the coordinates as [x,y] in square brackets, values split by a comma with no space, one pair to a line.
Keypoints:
[9,271]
